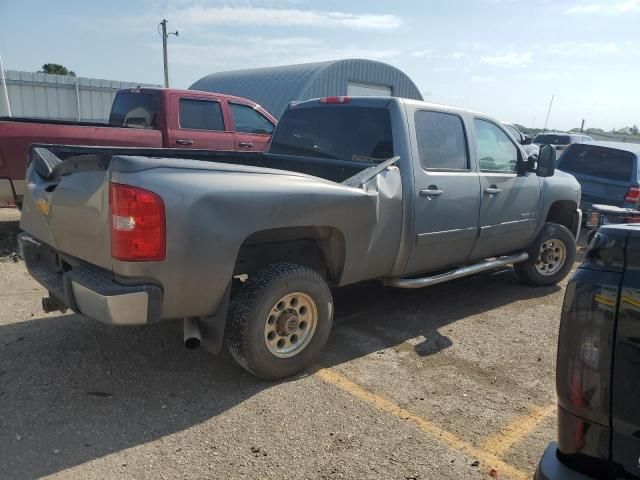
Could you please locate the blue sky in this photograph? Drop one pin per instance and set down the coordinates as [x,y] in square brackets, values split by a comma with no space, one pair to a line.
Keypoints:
[502,57]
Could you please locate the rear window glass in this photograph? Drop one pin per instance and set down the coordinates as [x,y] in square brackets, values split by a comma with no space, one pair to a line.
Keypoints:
[134,109]
[339,132]
[201,115]
[598,162]
[546,139]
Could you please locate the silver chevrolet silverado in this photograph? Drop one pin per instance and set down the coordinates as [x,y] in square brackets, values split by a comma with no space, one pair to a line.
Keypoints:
[244,247]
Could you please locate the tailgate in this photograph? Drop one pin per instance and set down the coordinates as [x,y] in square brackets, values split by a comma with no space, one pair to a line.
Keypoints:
[602,190]
[66,205]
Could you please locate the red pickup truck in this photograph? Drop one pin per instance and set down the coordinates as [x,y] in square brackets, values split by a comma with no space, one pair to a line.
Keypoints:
[140,117]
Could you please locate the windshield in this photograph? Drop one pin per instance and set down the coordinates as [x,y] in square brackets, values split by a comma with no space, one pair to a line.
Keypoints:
[340,132]
[547,139]
[598,162]
[134,109]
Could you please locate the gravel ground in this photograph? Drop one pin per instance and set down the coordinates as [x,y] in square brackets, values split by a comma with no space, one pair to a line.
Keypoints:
[442,382]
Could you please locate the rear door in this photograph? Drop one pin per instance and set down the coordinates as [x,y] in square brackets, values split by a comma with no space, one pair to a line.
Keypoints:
[199,122]
[447,192]
[509,200]
[252,129]
[605,174]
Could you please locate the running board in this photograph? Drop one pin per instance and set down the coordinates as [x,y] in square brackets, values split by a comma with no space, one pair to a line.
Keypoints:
[457,273]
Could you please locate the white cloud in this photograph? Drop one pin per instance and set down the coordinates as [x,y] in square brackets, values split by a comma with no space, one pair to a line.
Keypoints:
[421,53]
[508,60]
[476,79]
[226,15]
[611,8]
[572,49]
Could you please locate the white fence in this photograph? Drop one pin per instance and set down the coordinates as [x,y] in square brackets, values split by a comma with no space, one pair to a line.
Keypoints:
[57,96]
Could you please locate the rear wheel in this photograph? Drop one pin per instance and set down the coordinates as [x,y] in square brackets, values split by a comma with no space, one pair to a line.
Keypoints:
[280,321]
[550,257]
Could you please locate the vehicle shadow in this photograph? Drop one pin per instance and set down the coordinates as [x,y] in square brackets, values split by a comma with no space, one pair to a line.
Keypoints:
[73,390]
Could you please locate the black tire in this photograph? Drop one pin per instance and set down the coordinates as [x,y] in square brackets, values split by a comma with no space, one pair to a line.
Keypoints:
[251,308]
[527,271]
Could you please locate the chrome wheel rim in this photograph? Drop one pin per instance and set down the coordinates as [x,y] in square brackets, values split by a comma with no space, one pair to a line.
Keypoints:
[290,324]
[551,258]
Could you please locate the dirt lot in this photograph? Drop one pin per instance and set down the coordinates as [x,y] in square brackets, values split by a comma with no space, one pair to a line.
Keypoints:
[446,382]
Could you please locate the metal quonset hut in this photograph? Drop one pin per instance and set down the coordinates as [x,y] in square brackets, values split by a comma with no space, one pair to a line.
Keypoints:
[275,87]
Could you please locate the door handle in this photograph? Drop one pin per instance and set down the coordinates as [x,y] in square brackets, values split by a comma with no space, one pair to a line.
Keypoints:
[184,141]
[431,191]
[246,144]
[492,190]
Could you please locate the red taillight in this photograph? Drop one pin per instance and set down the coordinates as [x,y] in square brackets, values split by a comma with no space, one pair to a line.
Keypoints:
[335,100]
[137,224]
[633,195]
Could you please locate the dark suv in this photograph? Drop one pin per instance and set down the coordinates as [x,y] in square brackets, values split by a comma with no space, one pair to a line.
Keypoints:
[561,140]
[598,371]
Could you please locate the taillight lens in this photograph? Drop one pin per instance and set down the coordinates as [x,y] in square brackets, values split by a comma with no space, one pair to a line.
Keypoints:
[335,100]
[137,221]
[633,195]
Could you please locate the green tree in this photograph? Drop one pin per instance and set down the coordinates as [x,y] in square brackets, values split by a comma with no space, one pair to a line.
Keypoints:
[634,130]
[56,69]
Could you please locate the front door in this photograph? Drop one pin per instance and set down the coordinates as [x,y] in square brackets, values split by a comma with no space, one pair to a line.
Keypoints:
[200,124]
[510,200]
[447,193]
[253,130]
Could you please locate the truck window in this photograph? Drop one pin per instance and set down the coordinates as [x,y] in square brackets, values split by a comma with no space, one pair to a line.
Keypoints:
[134,109]
[248,120]
[496,151]
[340,132]
[201,115]
[513,131]
[599,162]
[442,144]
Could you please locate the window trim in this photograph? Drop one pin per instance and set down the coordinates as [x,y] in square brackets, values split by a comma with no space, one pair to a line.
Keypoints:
[194,99]
[515,172]
[466,141]
[255,109]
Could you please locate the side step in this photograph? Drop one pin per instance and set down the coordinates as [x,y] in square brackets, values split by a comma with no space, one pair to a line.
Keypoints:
[457,273]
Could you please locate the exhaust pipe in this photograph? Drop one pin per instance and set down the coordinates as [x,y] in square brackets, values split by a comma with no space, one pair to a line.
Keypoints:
[192,336]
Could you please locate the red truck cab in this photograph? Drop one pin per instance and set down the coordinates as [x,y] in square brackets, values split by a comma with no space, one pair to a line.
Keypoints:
[140,117]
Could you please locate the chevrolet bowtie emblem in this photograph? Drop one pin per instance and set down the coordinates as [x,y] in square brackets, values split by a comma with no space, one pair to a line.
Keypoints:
[43,206]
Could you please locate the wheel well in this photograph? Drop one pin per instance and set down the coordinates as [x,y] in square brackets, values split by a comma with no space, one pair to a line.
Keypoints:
[319,248]
[563,212]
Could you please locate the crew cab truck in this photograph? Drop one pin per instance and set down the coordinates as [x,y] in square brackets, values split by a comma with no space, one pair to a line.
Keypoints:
[245,247]
[140,117]
[599,364]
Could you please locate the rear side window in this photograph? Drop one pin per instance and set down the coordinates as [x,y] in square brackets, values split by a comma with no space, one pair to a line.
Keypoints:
[134,109]
[600,162]
[441,141]
[339,132]
[248,120]
[201,115]
[546,139]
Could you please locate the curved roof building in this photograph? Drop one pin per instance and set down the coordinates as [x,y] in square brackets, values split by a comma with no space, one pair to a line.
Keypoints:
[275,87]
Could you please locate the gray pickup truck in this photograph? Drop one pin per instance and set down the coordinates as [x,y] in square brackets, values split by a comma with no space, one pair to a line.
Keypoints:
[244,247]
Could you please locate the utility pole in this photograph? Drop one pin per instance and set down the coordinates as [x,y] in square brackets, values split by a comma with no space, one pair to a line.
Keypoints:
[582,126]
[165,36]
[548,112]
[4,84]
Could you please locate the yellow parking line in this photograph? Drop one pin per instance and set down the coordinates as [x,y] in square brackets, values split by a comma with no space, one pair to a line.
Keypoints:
[487,459]
[517,430]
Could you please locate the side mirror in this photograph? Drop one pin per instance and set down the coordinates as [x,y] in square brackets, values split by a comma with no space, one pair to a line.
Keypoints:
[526,140]
[546,161]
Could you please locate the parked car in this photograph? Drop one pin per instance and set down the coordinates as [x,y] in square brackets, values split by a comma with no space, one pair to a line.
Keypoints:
[599,364]
[530,148]
[140,117]
[560,140]
[352,189]
[606,171]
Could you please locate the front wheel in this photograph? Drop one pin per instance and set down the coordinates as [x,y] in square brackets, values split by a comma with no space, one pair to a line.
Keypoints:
[280,321]
[551,257]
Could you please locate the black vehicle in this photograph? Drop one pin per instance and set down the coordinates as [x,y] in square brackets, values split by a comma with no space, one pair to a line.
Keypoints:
[561,140]
[598,371]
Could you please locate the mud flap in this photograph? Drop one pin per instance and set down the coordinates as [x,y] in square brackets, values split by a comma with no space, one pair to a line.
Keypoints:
[212,327]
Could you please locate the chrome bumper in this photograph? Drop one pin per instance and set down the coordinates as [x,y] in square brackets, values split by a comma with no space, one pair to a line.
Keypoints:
[88,290]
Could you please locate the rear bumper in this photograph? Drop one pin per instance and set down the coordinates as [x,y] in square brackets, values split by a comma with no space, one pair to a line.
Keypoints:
[551,468]
[89,290]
